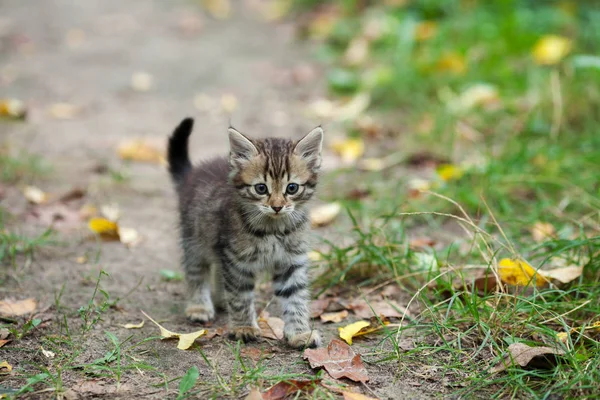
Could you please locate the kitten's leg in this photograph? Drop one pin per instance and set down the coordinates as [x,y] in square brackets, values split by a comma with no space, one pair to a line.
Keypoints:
[291,287]
[238,285]
[197,274]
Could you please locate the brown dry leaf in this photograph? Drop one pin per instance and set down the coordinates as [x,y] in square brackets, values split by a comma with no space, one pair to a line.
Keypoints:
[271,327]
[542,231]
[318,307]
[541,357]
[284,389]
[5,368]
[134,326]
[217,332]
[562,275]
[185,339]
[481,279]
[421,242]
[4,333]
[4,341]
[35,195]
[334,316]
[356,396]
[254,353]
[325,214]
[140,150]
[48,353]
[12,308]
[219,9]
[63,110]
[58,215]
[339,360]
[387,308]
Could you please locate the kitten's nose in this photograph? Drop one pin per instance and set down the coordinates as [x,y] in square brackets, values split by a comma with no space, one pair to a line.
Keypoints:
[277,209]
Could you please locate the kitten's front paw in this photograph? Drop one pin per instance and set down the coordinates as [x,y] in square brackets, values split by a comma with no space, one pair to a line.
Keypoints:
[302,340]
[199,312]
[244,333]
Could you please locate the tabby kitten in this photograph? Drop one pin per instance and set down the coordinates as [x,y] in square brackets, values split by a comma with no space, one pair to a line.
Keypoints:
[242,216]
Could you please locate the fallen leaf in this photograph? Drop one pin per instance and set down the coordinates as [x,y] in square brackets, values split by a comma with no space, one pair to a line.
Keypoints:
[550,49]
[421,242]
[216,332]
[477,95]
[519,272]
[352,108]
[63,111]
[271,327]
[349,331]
[106,229]
[562,275]
[88,211]
[449,172]
[334,316]
[387,308]
[325,214]
[254,353]
[284,389]
[275,10]
[314,256]
[542,231]
[339,360]
[425,30]
[141,81]
[452,62]
[318,307]
[254,394]
[12,308]
[5,368]
[58,215]
[48,353]
[110,212]
[4,333]
[12,108]
[481,279]
[140,150]
[129,236]
[356,396]
[350,149]
[229,103]
[134,326]
[357,51]
[35,195]
[185,339]
[219,9]
[4,341]
[73,194]
[535,357]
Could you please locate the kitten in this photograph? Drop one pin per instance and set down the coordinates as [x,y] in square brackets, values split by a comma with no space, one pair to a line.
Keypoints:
[244,215]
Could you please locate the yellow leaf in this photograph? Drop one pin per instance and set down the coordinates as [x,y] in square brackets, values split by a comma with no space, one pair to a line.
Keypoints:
[220,9]
[105,228]
[35,195]
[349,149]
[562,337]
[185,339]
[12,108]
[519,272]
[550,49]
[325,214]
[139,150]
[449,172]
[134,326]
[349,331]
[5,367]
[315,256]
[373,164]
[275,10]
[452,62]
[425,30]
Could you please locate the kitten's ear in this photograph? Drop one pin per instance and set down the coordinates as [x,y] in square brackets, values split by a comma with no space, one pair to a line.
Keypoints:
[309,148]
[240,146]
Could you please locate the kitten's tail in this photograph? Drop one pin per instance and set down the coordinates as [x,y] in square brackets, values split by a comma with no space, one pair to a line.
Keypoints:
[179,160]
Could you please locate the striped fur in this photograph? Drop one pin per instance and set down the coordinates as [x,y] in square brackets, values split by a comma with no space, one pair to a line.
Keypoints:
[232,231]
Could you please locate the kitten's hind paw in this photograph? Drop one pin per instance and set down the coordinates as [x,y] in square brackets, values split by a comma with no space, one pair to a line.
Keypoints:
[244,333]
[199,313]
[303,340]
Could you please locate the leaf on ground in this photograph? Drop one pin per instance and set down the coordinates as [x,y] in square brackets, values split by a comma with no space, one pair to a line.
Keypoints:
[334,316]
[57,215]
[453,63]
[357,52]
[13,108]
[215,332]
[106,229]
[48,353]
[129,236]
[542,231]
[4,341]
[4,333]
[5,368]
[254,394]
[63,111]
[387,308]
[421,242]
[110,212]
[349,149]
[188,381]
[170,275]
[356,396]
[16,308]
[35,195]
[519,272]
[185,339]
[325,214]
[478,95]
[282,390]
[318,307]
[140,150]
[425,30]
[562,275]
[141,81]
[449,172]
[271,327]
[134,326]
[339,360]
[540,357]
[229,102]
[482,280]
[219,9]
[349,331]
[550,49]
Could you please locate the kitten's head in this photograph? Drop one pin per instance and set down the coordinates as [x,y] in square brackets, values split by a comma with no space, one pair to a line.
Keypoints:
[275,175]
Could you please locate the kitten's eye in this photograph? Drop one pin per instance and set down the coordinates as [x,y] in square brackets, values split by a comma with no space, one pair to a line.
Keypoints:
[260,188]
[292,188]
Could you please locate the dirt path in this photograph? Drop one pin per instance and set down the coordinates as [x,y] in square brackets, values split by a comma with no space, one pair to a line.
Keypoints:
[84,53]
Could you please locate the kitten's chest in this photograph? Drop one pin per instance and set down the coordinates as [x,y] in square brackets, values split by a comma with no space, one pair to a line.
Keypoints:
[271,250]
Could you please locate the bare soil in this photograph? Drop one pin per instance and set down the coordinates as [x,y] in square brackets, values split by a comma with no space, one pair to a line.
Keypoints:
[84,53]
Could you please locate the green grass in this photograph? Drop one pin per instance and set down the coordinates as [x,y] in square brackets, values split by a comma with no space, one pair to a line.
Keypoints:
[21,167]
[530,157]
